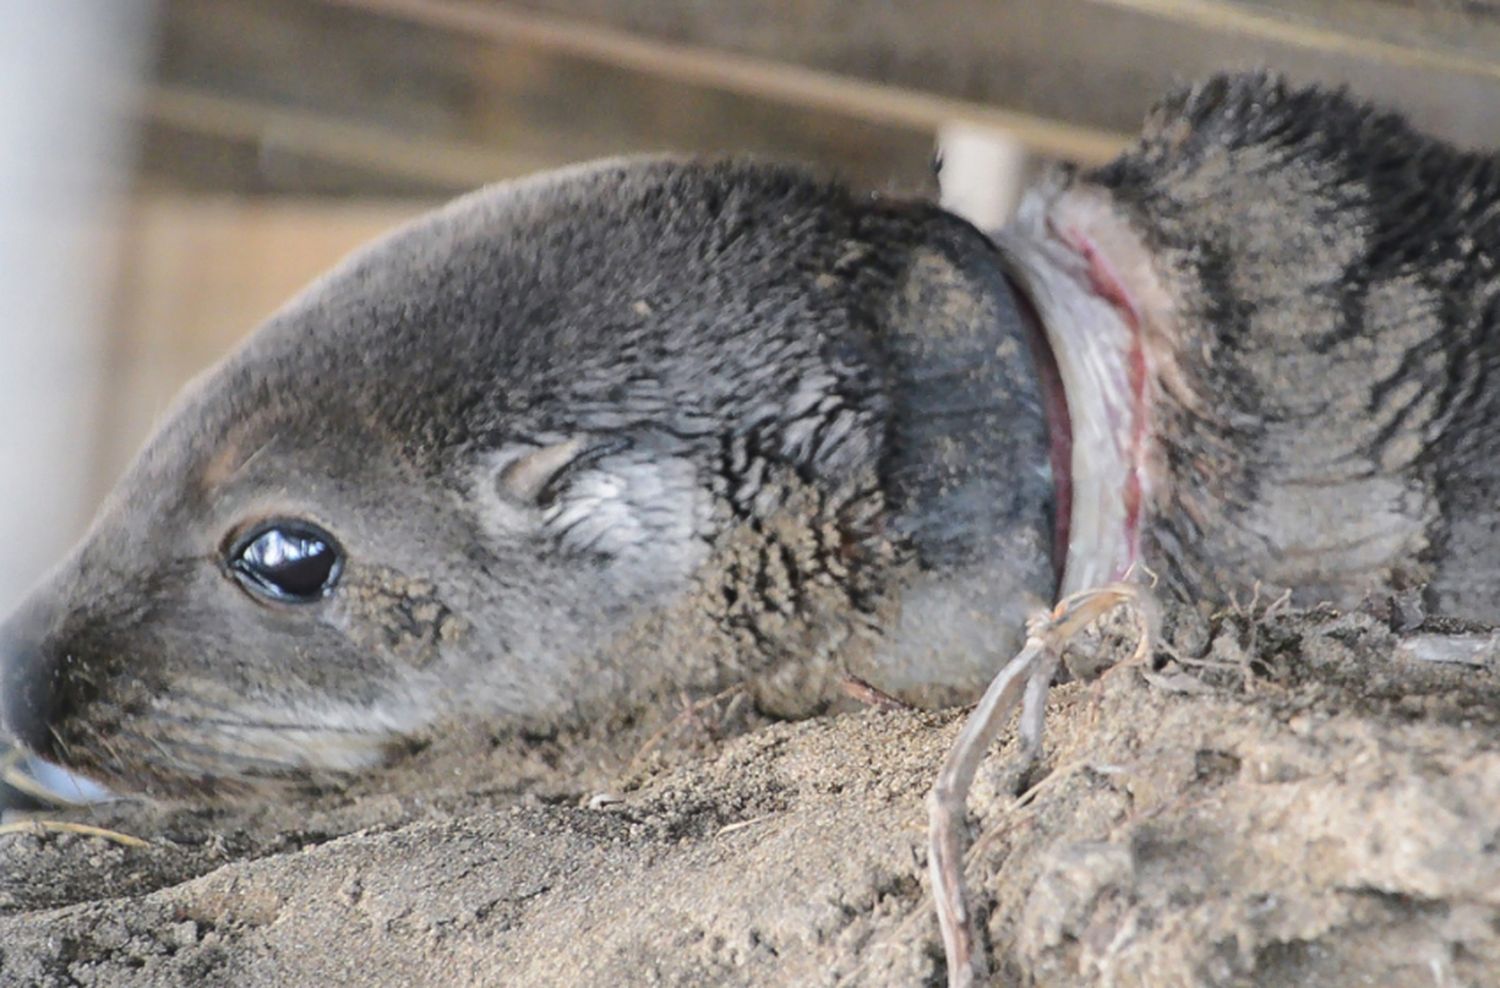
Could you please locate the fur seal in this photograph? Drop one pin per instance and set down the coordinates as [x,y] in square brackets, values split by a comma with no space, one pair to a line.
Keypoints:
[642,426]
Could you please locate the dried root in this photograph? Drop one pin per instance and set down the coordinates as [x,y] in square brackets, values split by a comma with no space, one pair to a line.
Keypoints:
[1024,681]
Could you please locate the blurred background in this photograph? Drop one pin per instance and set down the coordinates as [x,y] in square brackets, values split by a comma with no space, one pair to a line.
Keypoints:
[171,171]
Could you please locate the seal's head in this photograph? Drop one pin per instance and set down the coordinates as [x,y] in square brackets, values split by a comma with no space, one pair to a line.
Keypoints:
[460,475]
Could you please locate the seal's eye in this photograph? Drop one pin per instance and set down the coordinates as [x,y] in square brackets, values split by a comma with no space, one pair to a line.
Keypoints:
[287,561]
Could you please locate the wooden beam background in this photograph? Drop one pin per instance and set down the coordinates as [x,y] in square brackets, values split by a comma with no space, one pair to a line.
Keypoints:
[302,96]
[430,96]
[1092,65]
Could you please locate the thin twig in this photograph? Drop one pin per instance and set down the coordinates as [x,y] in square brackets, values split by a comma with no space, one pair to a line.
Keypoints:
[730,828]
[40,827]
[17,779]
[871,695]
[687,715]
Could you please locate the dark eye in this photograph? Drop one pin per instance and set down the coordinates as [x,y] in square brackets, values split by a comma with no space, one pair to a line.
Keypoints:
[287,561]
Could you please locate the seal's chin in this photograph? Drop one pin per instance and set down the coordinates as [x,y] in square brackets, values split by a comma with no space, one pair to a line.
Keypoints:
[1089,287]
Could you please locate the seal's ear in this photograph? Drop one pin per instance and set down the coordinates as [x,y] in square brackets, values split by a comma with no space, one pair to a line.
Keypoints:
[524,479]
[535,475]
[637,501]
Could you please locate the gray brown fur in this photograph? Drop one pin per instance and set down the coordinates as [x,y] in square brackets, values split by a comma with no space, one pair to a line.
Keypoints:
[1338,271]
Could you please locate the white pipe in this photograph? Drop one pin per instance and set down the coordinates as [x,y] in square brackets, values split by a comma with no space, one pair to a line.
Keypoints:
[69,72]
[983,175]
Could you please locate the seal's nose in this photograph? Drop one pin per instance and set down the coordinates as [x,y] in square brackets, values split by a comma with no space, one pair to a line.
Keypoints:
[27,690]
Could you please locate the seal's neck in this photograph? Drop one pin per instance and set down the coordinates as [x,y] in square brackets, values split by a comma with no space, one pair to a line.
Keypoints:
[967,468]
[1095,304]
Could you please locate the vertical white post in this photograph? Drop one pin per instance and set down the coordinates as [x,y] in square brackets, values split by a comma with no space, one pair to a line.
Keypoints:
[984,173]
[68,69]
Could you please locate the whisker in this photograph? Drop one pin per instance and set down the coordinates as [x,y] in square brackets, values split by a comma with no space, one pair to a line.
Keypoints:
[62,746]
[211,754]
[264,725]
[201,702]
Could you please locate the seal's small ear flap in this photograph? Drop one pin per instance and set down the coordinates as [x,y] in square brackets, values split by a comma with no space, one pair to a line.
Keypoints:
[528,477]
[634,500]
[537,475]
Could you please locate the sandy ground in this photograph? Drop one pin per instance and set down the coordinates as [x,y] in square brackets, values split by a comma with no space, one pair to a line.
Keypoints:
[1301,800]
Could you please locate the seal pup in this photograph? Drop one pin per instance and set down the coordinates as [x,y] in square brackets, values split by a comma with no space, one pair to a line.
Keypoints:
[643,426]
[567,445]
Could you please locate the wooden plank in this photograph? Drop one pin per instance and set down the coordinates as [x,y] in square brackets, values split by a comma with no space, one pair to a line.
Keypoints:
[397,103]
[1094,65]
[1463,39]
[765,78]
[449,163]
[438,95]
[212,159]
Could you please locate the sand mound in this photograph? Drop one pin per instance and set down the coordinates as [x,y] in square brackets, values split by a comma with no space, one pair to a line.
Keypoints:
[1307,800]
